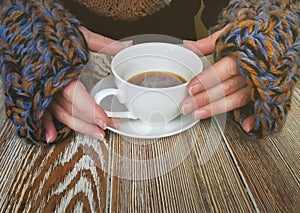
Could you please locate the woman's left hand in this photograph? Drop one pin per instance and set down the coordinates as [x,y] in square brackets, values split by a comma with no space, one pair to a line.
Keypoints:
[218,89]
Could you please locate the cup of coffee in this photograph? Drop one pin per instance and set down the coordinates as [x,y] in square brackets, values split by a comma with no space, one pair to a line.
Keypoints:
[151,80]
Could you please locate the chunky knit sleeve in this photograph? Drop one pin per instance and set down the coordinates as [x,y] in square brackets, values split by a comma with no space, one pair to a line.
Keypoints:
[263,37]
[41,50]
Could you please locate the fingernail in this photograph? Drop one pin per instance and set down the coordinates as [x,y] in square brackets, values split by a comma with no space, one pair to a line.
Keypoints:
[101,124]
[116,123]
[127,43]
[200,114]
[187,108]
[187,41]
[48,138]
[188,44]
[48,141]
[247,128]
[98,136]
[194,89]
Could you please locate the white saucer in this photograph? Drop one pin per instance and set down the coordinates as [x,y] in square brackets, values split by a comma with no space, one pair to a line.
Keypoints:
[136,128]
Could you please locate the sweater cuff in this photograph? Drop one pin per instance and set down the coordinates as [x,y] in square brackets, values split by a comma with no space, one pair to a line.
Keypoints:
[41,51]
[264,40]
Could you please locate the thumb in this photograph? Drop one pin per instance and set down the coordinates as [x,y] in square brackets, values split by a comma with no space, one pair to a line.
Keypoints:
[203,46]
[102,44]
[248,124]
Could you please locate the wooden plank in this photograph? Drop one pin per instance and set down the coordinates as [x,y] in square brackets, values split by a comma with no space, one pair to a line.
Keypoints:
[2,106]
[64,177]
[198,175]
[271,165]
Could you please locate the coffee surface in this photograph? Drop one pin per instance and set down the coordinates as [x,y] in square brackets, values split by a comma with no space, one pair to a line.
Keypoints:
[157,79]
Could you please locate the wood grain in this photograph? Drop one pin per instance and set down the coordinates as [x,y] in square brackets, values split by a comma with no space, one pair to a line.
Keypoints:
[65,177]
[195,183]
[271,165]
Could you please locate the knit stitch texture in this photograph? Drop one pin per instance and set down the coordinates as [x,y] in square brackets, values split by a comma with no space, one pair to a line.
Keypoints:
[126,10]
[263,37]
[41,51]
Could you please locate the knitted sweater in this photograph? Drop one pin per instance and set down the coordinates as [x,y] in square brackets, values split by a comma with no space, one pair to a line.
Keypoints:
[174,19]
[124,10]
[42,50]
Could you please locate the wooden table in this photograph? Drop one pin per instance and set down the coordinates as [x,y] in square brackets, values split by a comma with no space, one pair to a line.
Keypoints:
[203,169]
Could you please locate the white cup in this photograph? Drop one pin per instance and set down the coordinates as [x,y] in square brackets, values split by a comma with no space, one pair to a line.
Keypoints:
[153,106]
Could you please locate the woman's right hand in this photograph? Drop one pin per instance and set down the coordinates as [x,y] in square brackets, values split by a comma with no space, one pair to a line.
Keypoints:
[74,106]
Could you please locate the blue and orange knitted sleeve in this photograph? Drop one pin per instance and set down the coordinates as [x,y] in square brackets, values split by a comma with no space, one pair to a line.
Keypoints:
[41,50]
[263,36]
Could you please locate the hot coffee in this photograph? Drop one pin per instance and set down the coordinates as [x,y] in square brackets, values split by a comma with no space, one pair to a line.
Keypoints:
[160,64]
[157,79]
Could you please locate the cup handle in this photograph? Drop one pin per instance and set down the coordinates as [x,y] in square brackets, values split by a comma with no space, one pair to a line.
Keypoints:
[108,92]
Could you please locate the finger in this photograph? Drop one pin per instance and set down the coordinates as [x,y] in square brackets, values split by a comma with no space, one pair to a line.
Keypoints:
[214,75]
[49,128]
[206,97]
[102,44]
[248,123]
[89,116]
[231,102]
[115,47]
[74,123]
[75,99]
[95,41]
[203,46]
[79,103]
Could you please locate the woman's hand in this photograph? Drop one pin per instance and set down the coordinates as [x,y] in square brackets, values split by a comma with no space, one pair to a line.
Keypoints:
[218,89]
[102,44]
[74,107]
